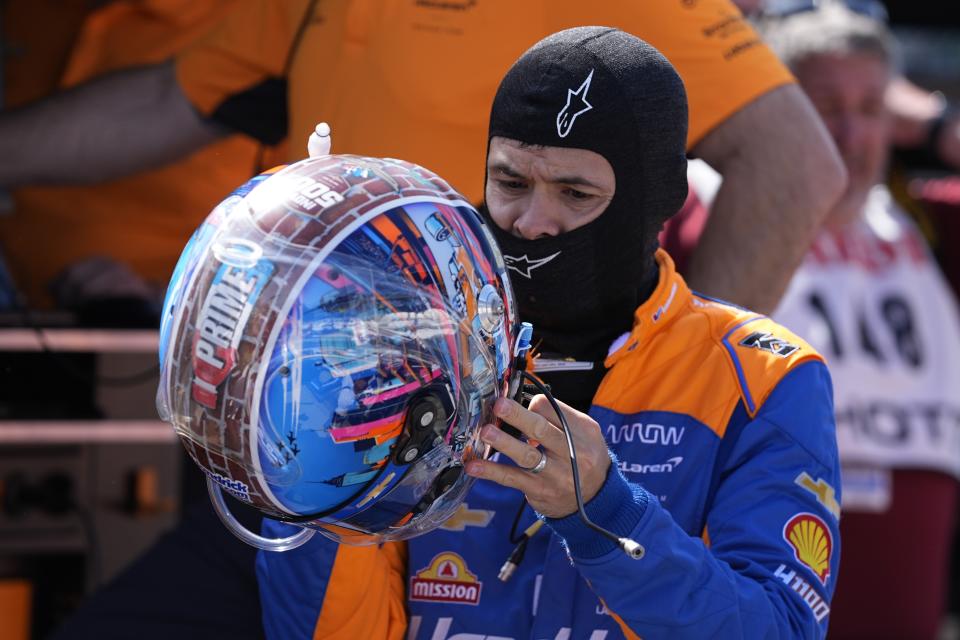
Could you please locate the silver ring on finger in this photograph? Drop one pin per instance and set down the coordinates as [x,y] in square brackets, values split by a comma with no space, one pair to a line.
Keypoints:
[537,468]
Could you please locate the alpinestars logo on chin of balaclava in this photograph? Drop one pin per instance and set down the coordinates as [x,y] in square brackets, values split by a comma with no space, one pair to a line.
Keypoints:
[524,265]
[576,105]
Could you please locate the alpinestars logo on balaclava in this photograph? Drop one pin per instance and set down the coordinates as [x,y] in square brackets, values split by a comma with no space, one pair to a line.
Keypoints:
[619,97]
[524,265]
[577,105]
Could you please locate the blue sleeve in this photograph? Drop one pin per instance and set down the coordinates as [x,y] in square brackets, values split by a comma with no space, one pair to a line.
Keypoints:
[770,567]
[293,584]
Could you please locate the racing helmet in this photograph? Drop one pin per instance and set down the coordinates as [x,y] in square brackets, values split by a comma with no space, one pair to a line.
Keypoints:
[332,340]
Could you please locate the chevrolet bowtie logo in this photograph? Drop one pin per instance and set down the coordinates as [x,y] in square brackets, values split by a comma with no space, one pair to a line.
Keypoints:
[524,265]
[826,494]
[467,517]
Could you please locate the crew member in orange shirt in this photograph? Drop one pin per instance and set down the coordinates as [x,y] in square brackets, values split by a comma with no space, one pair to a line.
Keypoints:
[138,223]
[413,80]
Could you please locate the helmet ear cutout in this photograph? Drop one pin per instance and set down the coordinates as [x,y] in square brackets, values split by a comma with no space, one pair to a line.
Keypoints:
[426,423]
[443,483]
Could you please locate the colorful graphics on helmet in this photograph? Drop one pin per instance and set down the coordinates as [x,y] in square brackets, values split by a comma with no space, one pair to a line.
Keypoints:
[190,256]
[327,349]
[223,315]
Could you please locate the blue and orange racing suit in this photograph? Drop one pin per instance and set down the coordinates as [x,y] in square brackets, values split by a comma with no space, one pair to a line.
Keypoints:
[720,423]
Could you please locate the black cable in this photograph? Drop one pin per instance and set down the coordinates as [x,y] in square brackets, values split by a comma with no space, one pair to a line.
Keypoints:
[630,547]
[516,557]
[514,538]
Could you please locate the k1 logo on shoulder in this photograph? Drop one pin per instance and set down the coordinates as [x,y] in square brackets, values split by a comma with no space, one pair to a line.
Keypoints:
[766,341]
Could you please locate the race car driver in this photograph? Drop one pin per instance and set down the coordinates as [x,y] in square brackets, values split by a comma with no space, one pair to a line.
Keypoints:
[704,432]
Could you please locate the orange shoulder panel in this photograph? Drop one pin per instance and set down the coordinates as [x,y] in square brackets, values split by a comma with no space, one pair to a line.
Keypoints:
[763,352]
[366,594]
[703,362]
[682,369]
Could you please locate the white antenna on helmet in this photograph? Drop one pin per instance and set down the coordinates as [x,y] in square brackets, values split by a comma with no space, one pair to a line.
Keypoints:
[318,144]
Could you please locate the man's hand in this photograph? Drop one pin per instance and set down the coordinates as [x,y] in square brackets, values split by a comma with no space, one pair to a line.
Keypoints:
[551,491]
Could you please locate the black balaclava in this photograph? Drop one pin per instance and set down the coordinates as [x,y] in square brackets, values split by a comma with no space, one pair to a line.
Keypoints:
[604,90]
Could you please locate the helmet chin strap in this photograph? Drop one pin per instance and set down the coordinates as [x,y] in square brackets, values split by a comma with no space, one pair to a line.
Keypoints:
[318,145]
[254,540]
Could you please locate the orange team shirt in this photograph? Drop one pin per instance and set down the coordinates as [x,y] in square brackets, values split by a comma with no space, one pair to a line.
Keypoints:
[144,220]
[415,79]
[34,58]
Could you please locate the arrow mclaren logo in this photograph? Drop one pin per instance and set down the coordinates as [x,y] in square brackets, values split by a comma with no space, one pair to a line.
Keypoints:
[663,467]
[524,265]
[576,105]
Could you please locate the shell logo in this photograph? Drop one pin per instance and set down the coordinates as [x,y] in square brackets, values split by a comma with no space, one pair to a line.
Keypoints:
[446,579]
[812,543]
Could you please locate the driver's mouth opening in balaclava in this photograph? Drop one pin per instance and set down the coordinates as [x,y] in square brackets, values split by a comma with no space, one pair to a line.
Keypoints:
[600,89]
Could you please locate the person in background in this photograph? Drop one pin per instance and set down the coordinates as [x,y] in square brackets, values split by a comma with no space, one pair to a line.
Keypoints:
[110,247]
[925,127]
[923,176]
[871,298]
[925,131]
[413,80]
[78,247]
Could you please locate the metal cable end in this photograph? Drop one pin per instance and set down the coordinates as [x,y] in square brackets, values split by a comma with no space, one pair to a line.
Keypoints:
[632,548]
[506,571]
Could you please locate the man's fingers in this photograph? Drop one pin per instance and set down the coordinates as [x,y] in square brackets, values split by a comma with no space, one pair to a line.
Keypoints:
[539,404]
[507,476]
[533,425]
[523,455]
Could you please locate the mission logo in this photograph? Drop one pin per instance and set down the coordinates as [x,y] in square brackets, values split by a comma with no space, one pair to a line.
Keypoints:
[446,579]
